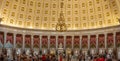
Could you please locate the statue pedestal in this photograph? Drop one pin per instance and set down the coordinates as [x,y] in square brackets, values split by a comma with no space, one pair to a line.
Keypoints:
[60,50]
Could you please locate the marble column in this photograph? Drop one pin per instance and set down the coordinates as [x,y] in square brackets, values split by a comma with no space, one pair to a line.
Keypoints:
[97,46]
[5,36]
[56,41]
[14,44]
[23,47]
[105,40]
[40,41]
[80,41]
[48,42]
[64,42]
[114,39]
[32,41]
[72,42]
[88,42]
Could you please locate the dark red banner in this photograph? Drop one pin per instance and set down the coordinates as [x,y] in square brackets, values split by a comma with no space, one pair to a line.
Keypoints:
[101,41]
[110,42]
[44,41]
[19,40]
[85,41]
[60,41]
[36,41]
[2,37]
[118,39]
[52,41]
[76,42]
[28,41]
[92,41]
[68,41]
[9,38]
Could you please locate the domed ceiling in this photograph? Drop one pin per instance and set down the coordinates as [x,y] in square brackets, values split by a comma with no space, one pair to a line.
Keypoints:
[44,14]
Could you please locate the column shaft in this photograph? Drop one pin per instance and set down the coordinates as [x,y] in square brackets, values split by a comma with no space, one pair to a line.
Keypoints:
[56,42]
[72,42]
[49,42]
[32,41]
[88,41]
[5,35]
[114,39]
[14,40]
[23,41]
[105,41]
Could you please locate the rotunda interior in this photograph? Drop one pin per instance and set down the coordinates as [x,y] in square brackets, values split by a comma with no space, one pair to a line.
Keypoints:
[58,27]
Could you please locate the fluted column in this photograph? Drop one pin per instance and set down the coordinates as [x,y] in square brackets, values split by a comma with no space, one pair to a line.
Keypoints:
[64,42]
[23,41]
[114,39]
[40,41]
[80,41]
[105,41]
[14,45]
[56,41]
[97,46]
[88,41]
[32,41]
[48,41]
[5,35]
[72,42]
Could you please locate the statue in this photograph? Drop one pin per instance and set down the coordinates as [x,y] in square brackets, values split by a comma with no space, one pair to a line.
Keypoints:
[60,45]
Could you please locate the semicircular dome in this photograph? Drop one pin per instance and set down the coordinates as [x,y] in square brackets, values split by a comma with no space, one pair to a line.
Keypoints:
[44,14]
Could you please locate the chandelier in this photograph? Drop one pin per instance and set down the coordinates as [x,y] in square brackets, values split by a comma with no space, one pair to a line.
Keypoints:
[61,26]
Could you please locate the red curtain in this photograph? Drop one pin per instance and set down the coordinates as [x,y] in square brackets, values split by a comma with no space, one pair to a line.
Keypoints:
[68,41]
[19,40]
[60,40]
[76,41]
[92,41]
[44,41]
[9,38]
[2,37]
[52,41]
[85,41]
[110,42]
[118,39]
[101,42]
[28,41]
[36,41]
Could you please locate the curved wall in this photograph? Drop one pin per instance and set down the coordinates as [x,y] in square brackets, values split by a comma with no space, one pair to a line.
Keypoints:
[11,37]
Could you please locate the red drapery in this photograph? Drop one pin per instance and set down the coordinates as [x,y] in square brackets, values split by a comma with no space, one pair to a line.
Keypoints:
[2,37]
[118,39]
[85,41]
[36,41]
[52,41]
[110,42]
[76,41]
[19,40]
[68,41]
[92,41]
[60,40]
[28,41]
[44,41]
[9,38]
[101,42]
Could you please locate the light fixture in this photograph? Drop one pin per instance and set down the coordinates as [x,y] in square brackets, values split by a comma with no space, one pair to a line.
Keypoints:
[61,26]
